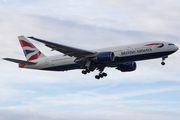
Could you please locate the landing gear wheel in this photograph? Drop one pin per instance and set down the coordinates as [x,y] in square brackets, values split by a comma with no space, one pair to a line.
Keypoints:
[88,71]
[101,75]
[104,74]
[97,76]
[84,72]
[162,63]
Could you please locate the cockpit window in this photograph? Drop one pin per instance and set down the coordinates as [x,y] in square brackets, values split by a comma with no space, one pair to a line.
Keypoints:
[170,44]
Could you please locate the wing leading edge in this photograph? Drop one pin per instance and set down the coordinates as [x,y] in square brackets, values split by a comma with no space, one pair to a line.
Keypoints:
[66,50]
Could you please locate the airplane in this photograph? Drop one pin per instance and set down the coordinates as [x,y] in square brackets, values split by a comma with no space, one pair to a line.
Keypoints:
[123,58]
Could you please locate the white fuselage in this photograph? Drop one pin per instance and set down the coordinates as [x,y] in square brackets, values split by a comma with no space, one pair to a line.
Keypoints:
[126,53]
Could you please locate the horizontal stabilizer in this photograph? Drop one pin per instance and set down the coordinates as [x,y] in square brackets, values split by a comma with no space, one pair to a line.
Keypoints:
[20,61]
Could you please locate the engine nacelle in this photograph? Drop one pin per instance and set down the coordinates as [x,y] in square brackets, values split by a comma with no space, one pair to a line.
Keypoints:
[127,67]
[105,57]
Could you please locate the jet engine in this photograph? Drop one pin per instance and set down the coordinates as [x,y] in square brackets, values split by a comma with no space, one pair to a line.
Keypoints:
[105,57]
[127,67]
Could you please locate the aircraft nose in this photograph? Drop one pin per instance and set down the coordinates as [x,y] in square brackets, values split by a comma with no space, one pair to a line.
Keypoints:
[176,48]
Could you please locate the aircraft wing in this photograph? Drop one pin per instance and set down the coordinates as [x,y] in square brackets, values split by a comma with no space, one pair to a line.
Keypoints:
[66,50]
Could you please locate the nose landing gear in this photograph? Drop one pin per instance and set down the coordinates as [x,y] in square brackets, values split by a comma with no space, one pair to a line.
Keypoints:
[163,59]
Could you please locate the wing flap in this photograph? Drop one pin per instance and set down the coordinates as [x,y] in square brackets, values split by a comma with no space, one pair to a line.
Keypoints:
[20,61]
[66,50]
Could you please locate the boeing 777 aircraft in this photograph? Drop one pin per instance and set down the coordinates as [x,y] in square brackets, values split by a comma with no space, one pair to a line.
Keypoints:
[120,57]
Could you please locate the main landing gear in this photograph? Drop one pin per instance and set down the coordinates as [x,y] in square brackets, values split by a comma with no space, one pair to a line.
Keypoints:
[101,75]
[85,71]
[88,70]
[163,59]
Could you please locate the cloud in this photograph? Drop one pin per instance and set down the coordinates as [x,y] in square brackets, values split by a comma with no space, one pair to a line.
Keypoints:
[150,16]
[94,115]
[5,1]
[96,99]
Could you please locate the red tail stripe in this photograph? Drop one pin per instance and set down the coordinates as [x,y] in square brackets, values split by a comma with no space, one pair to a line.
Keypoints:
[26,44]
[34,57]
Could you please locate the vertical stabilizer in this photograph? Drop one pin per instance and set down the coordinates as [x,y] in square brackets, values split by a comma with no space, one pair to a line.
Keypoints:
[30,51]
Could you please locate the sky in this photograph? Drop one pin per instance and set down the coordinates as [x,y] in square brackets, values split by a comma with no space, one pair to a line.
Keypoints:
[152,92]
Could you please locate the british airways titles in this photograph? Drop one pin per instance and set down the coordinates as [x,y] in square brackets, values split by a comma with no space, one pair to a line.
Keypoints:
[136,51]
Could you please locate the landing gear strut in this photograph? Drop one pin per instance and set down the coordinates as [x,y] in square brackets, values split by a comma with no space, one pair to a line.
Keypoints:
[163,59]
[101,73]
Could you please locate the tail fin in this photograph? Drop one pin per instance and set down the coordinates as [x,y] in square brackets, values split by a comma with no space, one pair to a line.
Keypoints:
[30,51]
